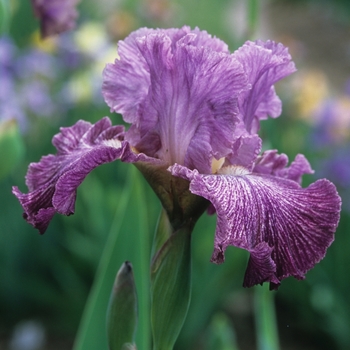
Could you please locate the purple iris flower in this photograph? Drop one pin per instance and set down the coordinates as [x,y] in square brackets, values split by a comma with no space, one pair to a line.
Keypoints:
[56,16]
[194,110]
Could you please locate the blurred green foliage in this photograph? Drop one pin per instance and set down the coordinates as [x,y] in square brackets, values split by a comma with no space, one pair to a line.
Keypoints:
[49,277]
[11,147]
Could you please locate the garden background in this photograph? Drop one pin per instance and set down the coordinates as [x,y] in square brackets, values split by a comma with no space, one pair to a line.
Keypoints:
[45,280]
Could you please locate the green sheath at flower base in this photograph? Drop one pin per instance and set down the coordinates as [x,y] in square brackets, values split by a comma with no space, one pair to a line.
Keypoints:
[171,288]
[122,311]
[163,233]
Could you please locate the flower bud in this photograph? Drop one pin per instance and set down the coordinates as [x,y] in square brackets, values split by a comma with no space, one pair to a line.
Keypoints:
[122,310]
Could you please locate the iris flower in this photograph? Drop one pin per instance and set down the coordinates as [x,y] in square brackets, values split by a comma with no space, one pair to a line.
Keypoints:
[56,16]
[194,110]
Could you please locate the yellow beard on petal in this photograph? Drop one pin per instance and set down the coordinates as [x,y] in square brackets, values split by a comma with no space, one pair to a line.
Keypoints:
[134,150]
[216,164]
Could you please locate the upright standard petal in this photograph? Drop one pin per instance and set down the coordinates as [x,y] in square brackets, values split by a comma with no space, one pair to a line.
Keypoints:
[185,103]
[53,182]
[192,100]
[126,81]
[287,229]
[245,150]
[265,63]
[56,16]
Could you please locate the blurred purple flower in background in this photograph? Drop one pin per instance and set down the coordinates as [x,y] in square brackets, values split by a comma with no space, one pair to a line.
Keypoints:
[26,77]
[56,16]
[336,167]
[194,111]
[37,82]
[9,102]
[327,115]
[331,138]
[332,122]
[34,62]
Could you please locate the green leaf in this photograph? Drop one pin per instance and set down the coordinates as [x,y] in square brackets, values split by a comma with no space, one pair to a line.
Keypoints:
[163,232]
[122,310]
[128,240]
[4,16]
[222,335]
[171,288]
[129,347]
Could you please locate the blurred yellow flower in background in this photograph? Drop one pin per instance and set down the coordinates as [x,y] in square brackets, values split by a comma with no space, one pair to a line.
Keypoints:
[311,88]
[48,45]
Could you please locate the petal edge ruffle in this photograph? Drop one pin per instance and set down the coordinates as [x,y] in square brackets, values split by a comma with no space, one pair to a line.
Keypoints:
[298,224]
[53,181]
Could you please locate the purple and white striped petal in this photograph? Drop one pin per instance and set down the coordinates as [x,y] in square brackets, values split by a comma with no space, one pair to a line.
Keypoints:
[287,229]
[276,164]
[245,151]
[265,63]
[179,89]
[127,80]
[53,182]
[192,101]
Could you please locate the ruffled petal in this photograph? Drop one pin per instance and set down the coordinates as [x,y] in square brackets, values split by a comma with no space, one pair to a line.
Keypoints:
[127,80]
[276,164]
[179,88]
[265,63]
[261,266]
[192,100]
[287,229]
[53,182]
[245,151]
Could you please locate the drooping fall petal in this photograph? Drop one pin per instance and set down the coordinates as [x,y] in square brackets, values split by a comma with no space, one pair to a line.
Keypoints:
[53,182]
[286,228]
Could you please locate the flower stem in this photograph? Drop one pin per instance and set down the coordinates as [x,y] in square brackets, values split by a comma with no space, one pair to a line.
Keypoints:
[142,263]
[265,316]
[170,282]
